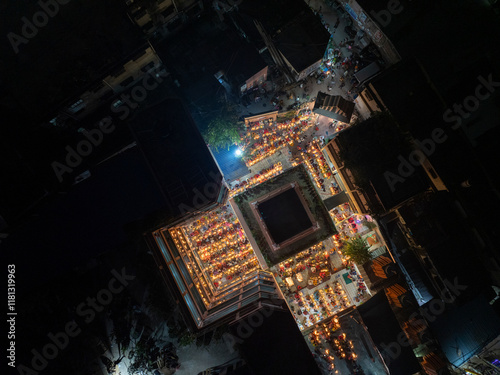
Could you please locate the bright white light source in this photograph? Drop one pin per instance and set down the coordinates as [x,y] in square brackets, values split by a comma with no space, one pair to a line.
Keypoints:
[238,152]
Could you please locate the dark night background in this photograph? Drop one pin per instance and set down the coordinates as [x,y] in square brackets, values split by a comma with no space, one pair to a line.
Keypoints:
[65,238]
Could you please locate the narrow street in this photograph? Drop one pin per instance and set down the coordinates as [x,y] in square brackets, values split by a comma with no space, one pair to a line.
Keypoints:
[306,92]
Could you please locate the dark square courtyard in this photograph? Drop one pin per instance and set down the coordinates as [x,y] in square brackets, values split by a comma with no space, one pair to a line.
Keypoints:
[284,216]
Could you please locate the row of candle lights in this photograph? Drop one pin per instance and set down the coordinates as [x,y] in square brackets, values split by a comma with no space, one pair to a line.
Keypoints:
[274,138]
[317,155]
[317,166]
[223,249]
[256,125]
[259,178]
[181,244]
[329,344]
[322,304]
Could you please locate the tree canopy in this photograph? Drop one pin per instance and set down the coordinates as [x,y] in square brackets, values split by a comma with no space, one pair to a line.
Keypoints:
[357,250]
[223,129]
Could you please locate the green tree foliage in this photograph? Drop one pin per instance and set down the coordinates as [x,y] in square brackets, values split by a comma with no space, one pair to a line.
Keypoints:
[224,128]
[357,250]
[186,338]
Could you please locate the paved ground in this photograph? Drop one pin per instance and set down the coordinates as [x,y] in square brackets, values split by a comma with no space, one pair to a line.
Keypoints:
[311,87]
[194,359]
[367,357]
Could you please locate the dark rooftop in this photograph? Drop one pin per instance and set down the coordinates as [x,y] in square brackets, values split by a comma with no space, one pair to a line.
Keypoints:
[436,223]
[178,156]
[371,150]
[465,331]
[245,61]
[68,230]
[273,14]
[93,37]
[377,310]
[276,346]
[334,107]
[463,42]
[245,23]
[303,41]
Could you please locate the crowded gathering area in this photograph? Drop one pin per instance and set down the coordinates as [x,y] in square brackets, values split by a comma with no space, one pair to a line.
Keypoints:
[335,347]
[221,247]
[320,282]
[266,137]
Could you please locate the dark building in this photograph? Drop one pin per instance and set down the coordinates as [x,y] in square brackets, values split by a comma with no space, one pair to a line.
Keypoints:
[334,107]
[427,228]
[454,96]
[246,70]
[293,35]
[447,106]
[135,189]
[399,359]
[276,346]
[178,158]
[302,43]
[51,80]
[465,331]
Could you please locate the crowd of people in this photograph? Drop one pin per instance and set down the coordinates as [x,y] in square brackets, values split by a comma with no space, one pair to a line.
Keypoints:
[306,281]
[221,246]
[330,345]
[318,168]
[324,302]
[265,138]
[341,213]
[259,177]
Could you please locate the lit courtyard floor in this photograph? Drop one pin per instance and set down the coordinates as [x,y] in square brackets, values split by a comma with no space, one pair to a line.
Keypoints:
[220,247]
[318,284]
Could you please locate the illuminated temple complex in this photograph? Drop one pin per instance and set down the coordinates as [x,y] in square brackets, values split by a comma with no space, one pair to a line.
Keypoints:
[274,240]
